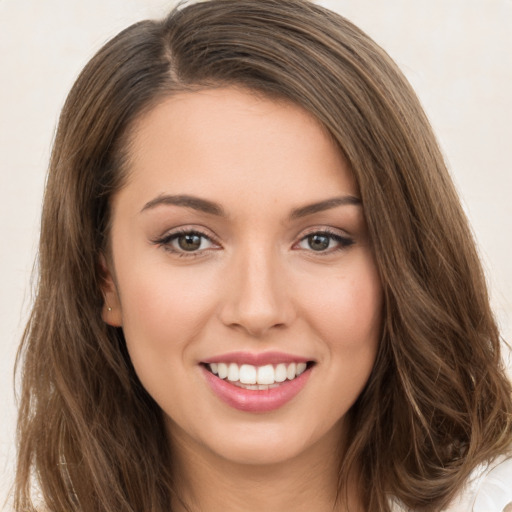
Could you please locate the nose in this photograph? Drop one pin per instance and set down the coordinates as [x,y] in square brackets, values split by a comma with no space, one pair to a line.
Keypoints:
[257,298]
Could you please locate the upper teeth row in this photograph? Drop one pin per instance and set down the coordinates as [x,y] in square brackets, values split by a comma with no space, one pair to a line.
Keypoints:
[249,374]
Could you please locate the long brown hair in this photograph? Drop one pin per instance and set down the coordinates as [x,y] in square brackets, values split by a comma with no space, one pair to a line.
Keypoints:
[437,403]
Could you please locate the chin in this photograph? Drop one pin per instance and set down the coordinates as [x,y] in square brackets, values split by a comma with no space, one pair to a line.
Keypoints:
[266,444]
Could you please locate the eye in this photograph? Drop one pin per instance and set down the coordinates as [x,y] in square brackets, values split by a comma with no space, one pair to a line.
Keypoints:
[190,242]
[324,241]
[183,242]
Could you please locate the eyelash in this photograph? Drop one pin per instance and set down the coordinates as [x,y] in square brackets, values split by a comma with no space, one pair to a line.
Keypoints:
[344,242]
[165,242]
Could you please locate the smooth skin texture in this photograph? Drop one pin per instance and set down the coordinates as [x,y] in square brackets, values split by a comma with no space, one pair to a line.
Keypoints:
[191,281]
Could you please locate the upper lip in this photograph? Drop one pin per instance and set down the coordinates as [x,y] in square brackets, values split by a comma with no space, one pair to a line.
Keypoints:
[256,359]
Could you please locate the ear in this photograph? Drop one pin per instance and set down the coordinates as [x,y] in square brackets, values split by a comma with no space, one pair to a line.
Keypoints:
[111,312]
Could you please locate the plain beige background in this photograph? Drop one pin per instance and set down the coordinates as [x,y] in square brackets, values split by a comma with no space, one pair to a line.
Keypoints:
[456,53]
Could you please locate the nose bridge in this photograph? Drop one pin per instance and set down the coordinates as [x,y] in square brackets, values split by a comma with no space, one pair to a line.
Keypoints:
[257,298]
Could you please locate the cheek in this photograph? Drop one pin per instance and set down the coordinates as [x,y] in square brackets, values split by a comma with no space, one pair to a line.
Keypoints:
[163,307]
[345,313]
[349,319]
[346,309]
[344,316]
[164,313]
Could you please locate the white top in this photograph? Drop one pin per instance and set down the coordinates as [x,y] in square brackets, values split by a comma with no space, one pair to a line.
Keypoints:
[489,489]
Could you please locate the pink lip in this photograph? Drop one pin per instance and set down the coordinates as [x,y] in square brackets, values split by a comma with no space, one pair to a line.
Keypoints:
[249,400]
[256,359]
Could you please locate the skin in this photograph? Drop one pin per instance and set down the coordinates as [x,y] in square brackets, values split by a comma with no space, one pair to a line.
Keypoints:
[254,284]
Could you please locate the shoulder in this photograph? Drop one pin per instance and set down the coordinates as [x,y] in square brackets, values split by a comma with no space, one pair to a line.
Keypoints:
[492,487]
[488,489]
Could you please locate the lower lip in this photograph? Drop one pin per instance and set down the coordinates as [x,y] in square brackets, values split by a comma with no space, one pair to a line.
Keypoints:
[250,400]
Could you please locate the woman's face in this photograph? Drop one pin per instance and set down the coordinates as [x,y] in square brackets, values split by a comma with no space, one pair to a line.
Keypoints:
[242,275]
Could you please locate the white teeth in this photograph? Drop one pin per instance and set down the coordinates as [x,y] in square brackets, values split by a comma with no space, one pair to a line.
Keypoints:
[266,374]
[291,371]
[223,370]
[260,387]
[301,367]
[233,373]
[257,377]
[280,373]
[247,374]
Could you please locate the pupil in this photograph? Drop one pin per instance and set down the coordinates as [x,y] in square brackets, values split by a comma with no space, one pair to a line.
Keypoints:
[318,242]
[189,242]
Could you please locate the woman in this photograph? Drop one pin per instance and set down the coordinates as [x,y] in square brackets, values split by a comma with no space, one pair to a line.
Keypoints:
[257,287]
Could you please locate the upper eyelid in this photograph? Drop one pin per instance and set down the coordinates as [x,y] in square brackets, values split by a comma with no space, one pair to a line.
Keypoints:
[333,233]
[323,229]
[207,233]
[166,242]
[183,230]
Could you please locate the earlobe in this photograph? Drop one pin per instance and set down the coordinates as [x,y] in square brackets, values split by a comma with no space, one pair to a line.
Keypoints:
[111,312]
[111,315]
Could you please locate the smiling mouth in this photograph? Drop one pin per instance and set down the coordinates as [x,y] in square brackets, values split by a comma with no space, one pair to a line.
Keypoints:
[251,377]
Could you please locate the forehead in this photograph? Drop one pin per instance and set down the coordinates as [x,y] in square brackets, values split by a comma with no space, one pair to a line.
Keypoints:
[208,141]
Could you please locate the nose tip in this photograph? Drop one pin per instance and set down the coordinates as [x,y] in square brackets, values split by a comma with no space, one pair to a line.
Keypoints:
[254,313]
[257,299]
[258,322]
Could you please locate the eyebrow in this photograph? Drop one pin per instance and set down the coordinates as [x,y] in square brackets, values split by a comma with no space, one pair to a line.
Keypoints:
[196,203]
[212,208]
[321,206]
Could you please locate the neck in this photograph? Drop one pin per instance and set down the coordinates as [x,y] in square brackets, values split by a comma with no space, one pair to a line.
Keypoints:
[309,481]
